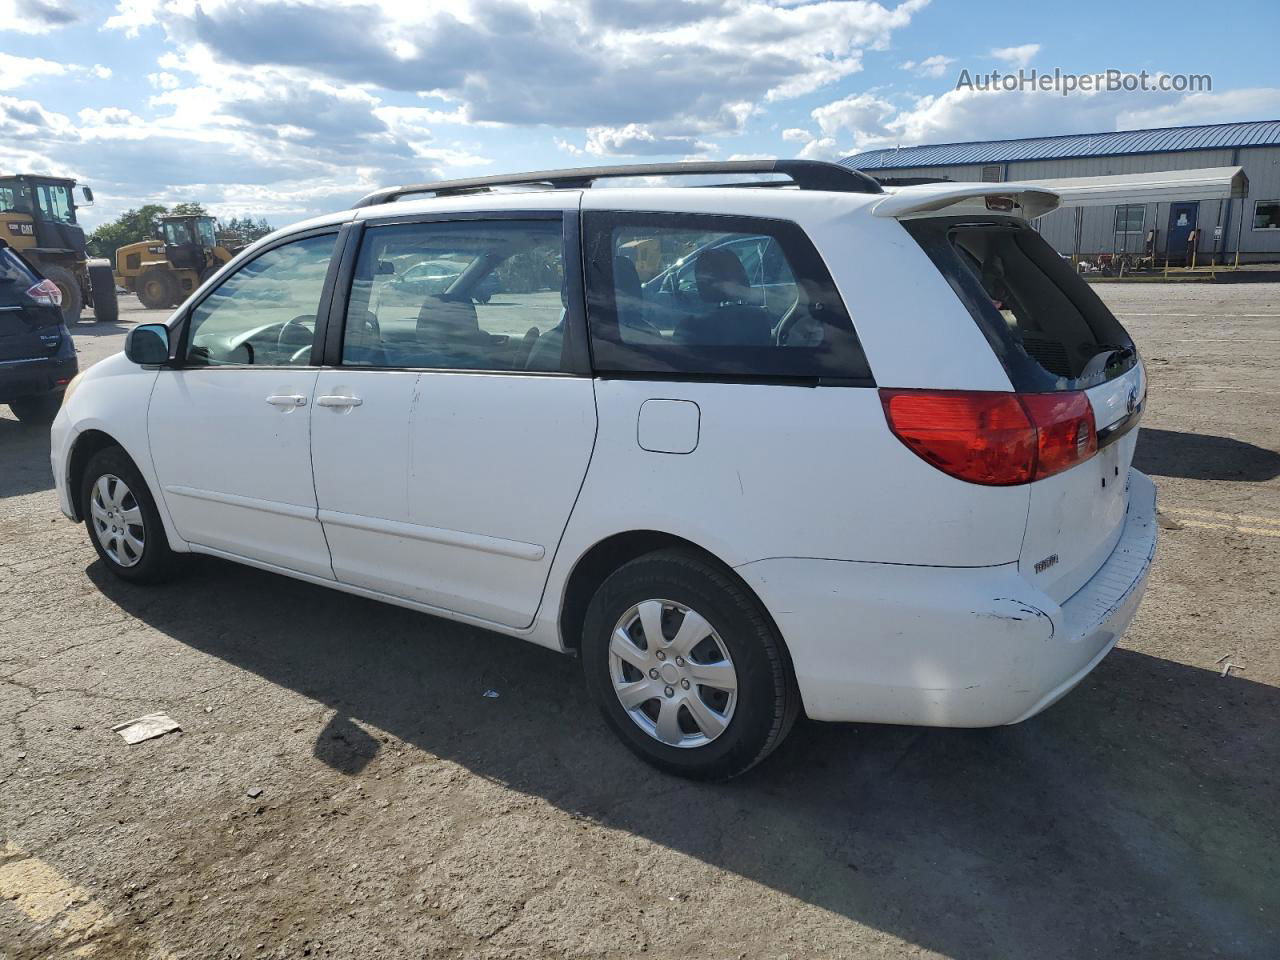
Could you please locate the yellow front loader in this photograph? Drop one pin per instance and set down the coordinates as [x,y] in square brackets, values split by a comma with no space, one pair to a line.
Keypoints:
[164,272]
[38,218]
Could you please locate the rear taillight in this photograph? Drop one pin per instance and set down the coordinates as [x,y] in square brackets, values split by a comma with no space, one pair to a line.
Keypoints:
[995,439]
[46,292]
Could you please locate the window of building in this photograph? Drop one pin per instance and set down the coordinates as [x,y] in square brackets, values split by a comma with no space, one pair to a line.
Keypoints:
[992,173]
[714,296]
[1130,217]
[1266,215]
[459,295]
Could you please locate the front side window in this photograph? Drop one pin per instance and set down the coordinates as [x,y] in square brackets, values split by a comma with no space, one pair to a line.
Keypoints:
[55,202]
[714,296]
[204,232]
[1266,215]
[264,314]
[458,295]
[176,233]
[1130,217]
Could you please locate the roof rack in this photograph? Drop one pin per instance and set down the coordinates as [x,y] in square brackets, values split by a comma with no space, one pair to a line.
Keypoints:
[805,174]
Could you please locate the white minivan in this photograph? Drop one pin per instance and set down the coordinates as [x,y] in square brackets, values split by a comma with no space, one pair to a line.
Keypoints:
[746,449]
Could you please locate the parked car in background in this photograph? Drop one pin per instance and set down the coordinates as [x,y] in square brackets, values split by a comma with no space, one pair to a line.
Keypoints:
[437,276]
[37,355]
[862,454]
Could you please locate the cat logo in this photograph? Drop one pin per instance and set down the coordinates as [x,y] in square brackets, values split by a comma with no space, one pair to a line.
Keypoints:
[23,229]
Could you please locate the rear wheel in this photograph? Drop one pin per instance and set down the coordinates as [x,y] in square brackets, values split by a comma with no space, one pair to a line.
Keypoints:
[686,666]
[156,289]
[106,306]
[123,522]
[72,300]
[40,409]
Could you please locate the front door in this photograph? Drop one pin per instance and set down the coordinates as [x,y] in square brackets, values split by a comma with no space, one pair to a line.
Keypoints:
[448,446]
[230,430]
[1182,220]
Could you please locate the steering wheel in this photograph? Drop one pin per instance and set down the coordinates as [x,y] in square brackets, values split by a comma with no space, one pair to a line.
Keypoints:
[287,338]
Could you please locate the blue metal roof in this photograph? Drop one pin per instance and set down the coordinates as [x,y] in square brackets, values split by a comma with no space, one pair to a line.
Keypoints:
[1164,140]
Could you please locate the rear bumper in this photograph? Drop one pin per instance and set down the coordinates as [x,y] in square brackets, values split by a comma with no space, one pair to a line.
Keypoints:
[20,379]
[950,646]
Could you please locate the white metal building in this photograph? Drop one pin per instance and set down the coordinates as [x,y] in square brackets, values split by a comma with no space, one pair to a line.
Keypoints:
[1249,223]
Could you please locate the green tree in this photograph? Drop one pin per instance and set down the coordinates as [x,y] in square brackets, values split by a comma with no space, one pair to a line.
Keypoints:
[191,208]
[244,229]
[130,227]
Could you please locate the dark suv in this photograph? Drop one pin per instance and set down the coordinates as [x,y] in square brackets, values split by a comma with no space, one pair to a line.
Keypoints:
[37,356]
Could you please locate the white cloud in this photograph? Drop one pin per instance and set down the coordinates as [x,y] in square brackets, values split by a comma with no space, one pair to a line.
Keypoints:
[861,114]
[37,16]
[797,135]
[934,66]
[1018,56]
[16,71]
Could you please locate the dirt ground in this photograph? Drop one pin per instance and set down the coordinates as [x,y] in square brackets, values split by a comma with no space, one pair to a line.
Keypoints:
[404,814]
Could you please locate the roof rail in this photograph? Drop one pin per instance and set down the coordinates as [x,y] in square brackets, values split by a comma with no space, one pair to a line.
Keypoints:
[805,174]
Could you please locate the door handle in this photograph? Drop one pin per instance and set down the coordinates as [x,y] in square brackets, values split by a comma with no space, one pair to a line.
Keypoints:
[338,401]
[288,400]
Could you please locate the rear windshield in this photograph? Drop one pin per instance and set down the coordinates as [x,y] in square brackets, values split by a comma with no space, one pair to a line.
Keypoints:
[1048,327]
[14,271]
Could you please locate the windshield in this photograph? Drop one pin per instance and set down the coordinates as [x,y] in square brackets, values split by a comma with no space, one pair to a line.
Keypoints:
[55,202]
[204,230]
[177,232]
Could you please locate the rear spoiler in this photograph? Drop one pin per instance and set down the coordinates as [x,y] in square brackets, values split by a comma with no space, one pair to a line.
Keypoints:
[1022,199]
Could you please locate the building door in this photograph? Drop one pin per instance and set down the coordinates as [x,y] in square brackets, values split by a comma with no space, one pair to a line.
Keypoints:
[1182,220]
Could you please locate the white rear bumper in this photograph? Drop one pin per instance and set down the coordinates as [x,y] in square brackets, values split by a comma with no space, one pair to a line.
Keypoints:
[950,646]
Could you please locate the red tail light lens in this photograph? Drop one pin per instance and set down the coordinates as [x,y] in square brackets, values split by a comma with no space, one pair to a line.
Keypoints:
[46,292]
[995,439]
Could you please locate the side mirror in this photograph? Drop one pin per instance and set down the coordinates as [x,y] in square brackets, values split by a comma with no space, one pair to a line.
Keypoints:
[87,193]
[148,344]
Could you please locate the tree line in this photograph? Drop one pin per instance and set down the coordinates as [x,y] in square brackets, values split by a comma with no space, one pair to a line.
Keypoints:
[143,223]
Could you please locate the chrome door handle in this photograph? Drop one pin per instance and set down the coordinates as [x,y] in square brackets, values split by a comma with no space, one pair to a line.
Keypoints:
[288,400]
[338,401]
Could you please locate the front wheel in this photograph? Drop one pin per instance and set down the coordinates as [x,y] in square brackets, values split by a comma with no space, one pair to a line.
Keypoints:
[123,522]
[156,288]
[686,666]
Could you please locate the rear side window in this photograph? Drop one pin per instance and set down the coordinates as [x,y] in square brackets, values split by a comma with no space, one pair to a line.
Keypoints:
[1050,330]
[715,296]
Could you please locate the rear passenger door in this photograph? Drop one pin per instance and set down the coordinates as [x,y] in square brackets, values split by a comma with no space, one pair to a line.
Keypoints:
[452,431]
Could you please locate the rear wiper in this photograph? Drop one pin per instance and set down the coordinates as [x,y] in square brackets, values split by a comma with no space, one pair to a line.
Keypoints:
[1121,352]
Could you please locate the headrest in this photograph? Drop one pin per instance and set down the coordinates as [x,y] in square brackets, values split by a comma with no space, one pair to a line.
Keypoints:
[448,316]
[721,277]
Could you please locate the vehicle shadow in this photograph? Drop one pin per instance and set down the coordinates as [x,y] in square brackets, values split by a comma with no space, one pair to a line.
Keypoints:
[1197,456]
[24,456]
[1136,818]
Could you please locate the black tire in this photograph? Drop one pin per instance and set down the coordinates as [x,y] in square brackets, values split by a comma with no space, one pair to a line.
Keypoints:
[767,698]
[156,288]
[156,562]
[106,305]
[69,284]
[38,410]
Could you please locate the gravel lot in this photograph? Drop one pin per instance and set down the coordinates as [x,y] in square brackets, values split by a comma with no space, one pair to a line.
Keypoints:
[401,813]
